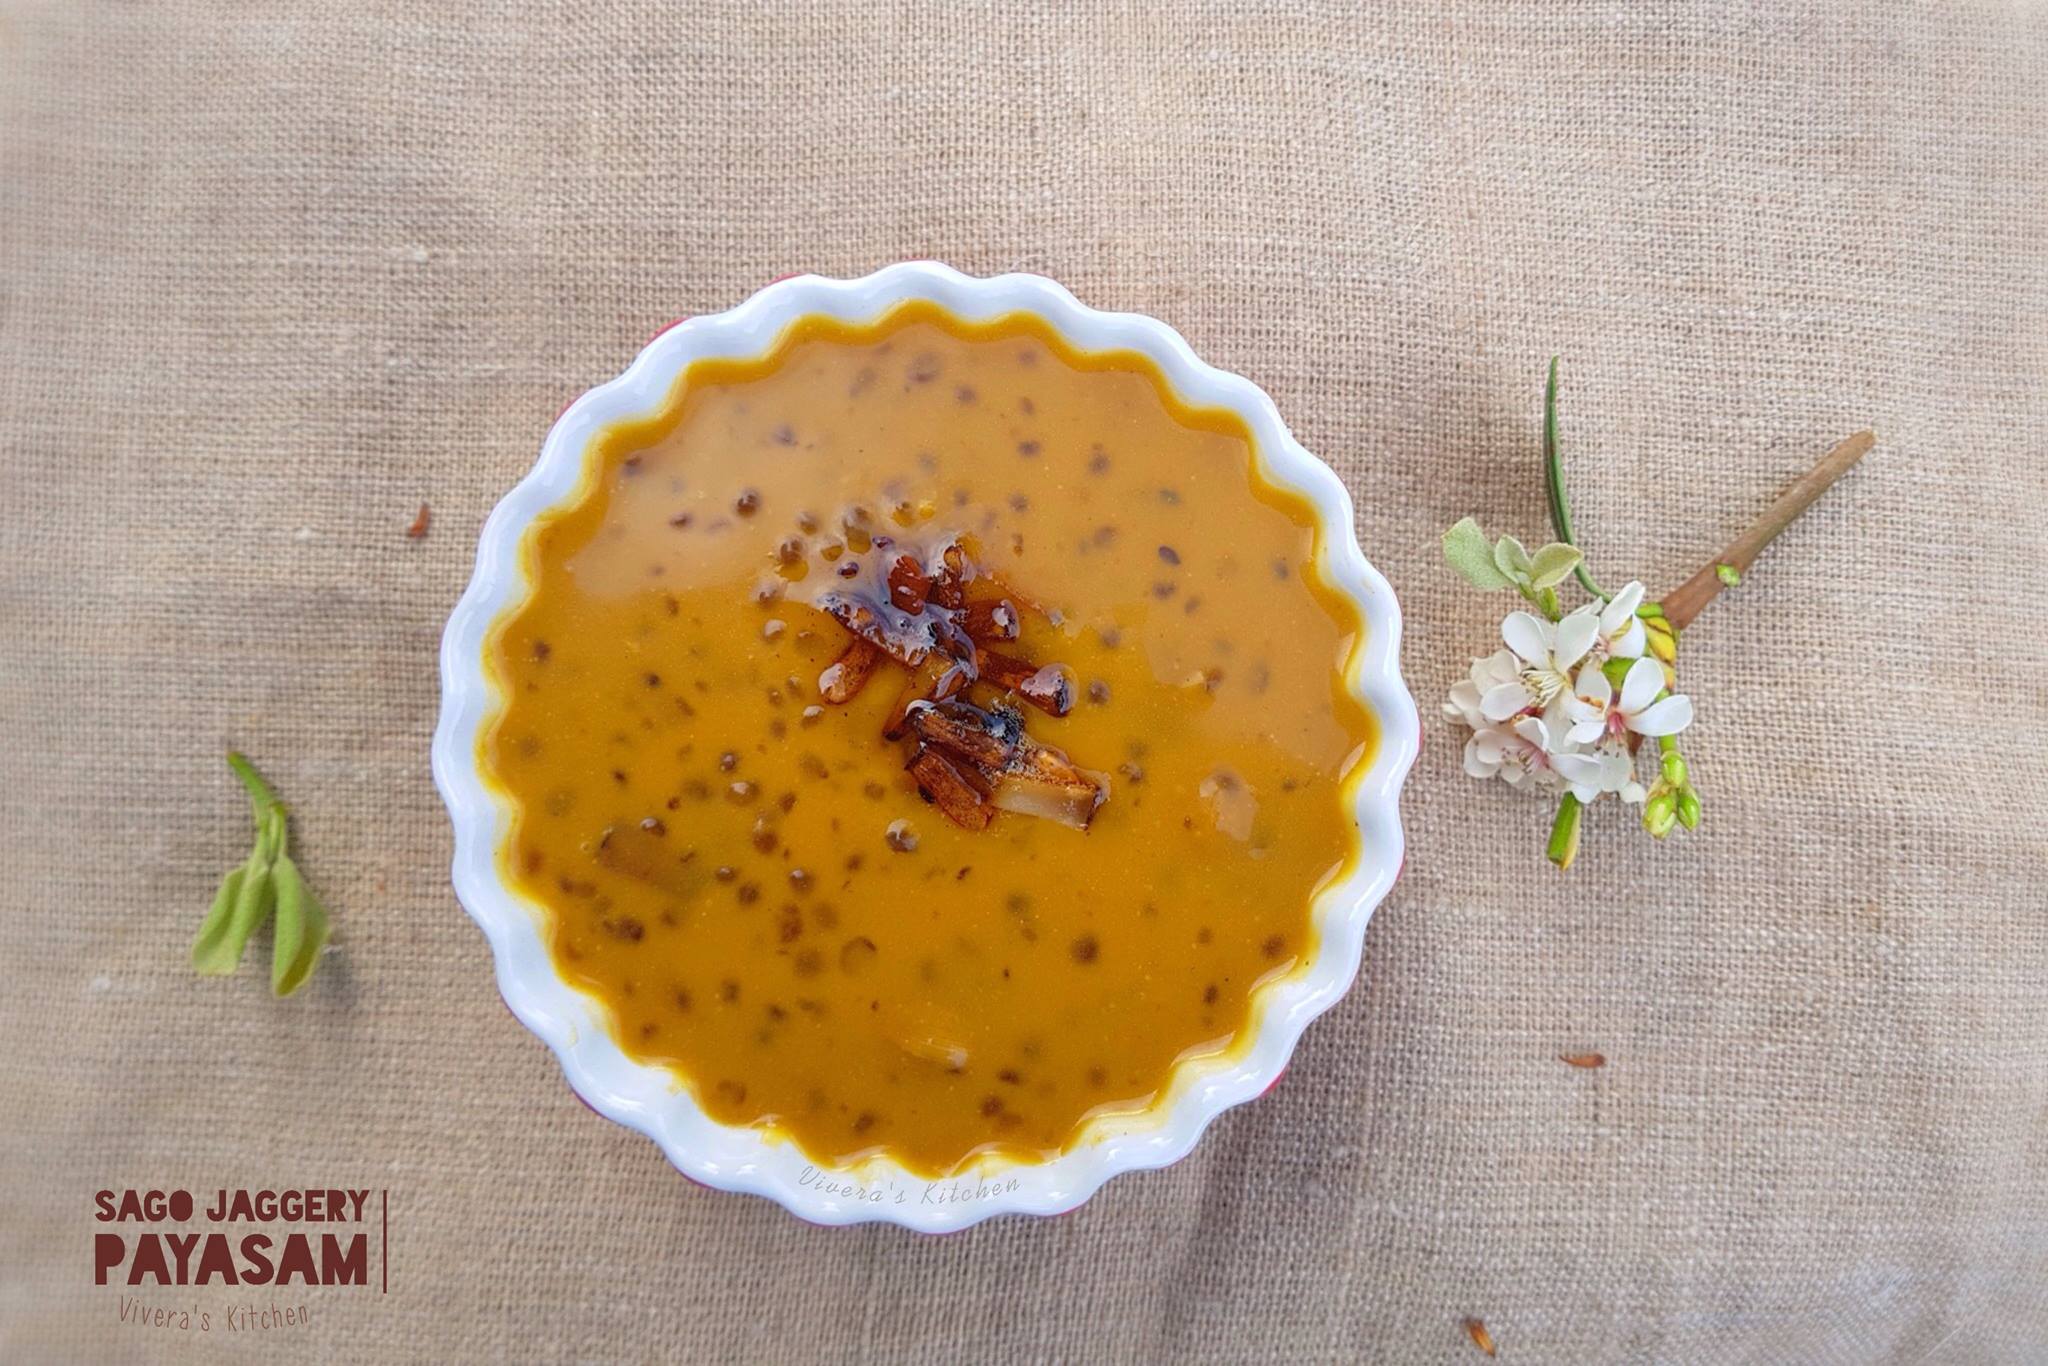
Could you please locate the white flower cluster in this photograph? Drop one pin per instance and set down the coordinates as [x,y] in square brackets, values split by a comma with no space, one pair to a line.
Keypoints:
[1545,711]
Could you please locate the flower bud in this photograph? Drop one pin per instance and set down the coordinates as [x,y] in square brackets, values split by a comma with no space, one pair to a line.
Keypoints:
[1674,769]
[1689,809]
[1660,641]
[1659,813]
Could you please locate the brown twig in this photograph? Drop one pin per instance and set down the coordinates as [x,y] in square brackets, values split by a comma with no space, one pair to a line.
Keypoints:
[1687,601]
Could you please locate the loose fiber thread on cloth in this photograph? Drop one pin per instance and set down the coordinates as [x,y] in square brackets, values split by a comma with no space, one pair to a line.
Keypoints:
[272,275]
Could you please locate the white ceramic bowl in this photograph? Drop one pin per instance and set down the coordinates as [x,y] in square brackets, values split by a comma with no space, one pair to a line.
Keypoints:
[651,1099]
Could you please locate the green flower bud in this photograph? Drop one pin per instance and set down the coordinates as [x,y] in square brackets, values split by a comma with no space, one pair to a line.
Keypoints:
[1662,645]
[1659,813]
[1674,768]
[1689,809]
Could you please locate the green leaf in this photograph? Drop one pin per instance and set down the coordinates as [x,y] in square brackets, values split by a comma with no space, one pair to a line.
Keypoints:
[1467,551]
[301,930]
[1553,470]
[1553,482]
[267,880]
[251,907]
[1553,564]
[211,953]
[1512,560]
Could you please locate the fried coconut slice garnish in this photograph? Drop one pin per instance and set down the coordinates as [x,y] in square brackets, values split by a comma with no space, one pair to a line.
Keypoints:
[1002,764]
[845,676]
[932,611]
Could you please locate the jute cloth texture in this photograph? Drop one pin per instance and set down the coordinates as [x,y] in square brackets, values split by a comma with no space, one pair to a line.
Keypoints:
[271,276]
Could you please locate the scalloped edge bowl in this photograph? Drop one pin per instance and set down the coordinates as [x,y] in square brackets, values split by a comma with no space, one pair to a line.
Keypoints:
[652,1099]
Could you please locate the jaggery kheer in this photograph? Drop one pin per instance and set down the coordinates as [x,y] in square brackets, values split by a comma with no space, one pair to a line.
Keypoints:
[921,737]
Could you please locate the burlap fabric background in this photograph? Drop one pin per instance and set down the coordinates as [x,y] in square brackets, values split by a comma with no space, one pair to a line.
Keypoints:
[270,276]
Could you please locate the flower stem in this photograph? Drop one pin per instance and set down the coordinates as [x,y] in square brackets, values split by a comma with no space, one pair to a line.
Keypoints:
[1564,833]
[1686,601]
[1553,483]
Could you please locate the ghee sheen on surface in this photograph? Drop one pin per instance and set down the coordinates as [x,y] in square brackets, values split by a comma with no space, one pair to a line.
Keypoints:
[748,879]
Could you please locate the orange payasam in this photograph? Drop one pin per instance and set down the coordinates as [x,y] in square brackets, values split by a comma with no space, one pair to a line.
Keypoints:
[922,737]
